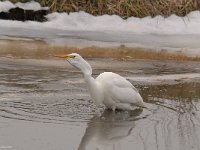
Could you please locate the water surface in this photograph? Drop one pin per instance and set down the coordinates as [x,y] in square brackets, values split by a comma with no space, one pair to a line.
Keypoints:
[44,104]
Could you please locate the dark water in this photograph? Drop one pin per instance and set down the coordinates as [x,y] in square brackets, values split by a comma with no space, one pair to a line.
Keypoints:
[44,105]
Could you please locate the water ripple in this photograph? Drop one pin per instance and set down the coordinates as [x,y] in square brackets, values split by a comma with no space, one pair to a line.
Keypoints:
[68,110]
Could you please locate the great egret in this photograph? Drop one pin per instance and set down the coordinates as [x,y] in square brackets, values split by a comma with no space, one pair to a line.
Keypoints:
[109,88]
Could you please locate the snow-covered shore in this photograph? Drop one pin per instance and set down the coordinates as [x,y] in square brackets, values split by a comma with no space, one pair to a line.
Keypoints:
[180,34]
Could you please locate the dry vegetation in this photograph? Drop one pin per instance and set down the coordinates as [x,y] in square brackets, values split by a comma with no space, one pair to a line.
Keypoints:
[124,53]
[123,8]
[39,49]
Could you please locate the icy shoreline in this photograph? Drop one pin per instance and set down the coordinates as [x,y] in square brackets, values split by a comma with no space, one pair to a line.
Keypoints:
[174,34]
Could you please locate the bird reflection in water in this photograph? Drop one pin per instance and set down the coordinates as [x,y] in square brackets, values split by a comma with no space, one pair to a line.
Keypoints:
[107,131]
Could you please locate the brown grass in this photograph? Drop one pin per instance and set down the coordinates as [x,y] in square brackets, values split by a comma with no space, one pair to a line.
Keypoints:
[123,8]
[39,49]
[126,8]
[125,53]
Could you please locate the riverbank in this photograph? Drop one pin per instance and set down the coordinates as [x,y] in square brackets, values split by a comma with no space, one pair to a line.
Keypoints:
[40,49]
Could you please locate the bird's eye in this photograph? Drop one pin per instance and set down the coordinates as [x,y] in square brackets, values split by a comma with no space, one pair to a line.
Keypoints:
[73,56]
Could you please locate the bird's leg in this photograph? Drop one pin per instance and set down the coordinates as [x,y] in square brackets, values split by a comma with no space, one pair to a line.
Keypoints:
[113,108]
[125,106]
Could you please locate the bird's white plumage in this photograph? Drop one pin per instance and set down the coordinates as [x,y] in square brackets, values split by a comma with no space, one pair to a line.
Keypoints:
[118,92]
[110,89]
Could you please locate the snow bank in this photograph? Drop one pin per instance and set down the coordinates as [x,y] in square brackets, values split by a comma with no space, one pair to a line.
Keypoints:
[30,6]
[179,34]
[5,6]
[86,22]
[157,25]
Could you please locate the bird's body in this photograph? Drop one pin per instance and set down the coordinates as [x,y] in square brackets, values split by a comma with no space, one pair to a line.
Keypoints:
[109,88]
[114,91]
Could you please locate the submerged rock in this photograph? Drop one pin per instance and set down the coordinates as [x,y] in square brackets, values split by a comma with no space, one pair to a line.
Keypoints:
[23,15]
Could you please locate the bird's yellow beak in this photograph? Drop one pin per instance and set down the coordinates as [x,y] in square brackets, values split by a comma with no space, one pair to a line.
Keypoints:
[63,56]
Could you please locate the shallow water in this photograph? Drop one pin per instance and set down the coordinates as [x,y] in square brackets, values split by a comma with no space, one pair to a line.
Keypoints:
[44,105]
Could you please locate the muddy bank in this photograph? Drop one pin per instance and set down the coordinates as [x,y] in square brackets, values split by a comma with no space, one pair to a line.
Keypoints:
[29,48]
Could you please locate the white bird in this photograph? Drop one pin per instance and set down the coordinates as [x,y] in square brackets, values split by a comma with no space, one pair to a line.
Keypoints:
[109,88]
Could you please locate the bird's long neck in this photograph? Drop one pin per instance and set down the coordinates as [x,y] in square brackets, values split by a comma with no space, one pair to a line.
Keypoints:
[89,79]
[94,89]
[93,86]
[86,68]
[87,72]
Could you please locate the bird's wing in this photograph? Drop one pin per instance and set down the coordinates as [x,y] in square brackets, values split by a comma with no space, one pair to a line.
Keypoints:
[124,92]
[123,83]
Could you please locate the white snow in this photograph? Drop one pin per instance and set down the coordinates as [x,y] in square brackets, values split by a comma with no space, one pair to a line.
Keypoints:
[31,6]
[5,6]
[157,25]
[81,21]
[177,34]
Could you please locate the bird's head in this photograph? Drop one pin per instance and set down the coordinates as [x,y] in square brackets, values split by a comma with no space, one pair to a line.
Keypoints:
[74,58]
[77,61]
